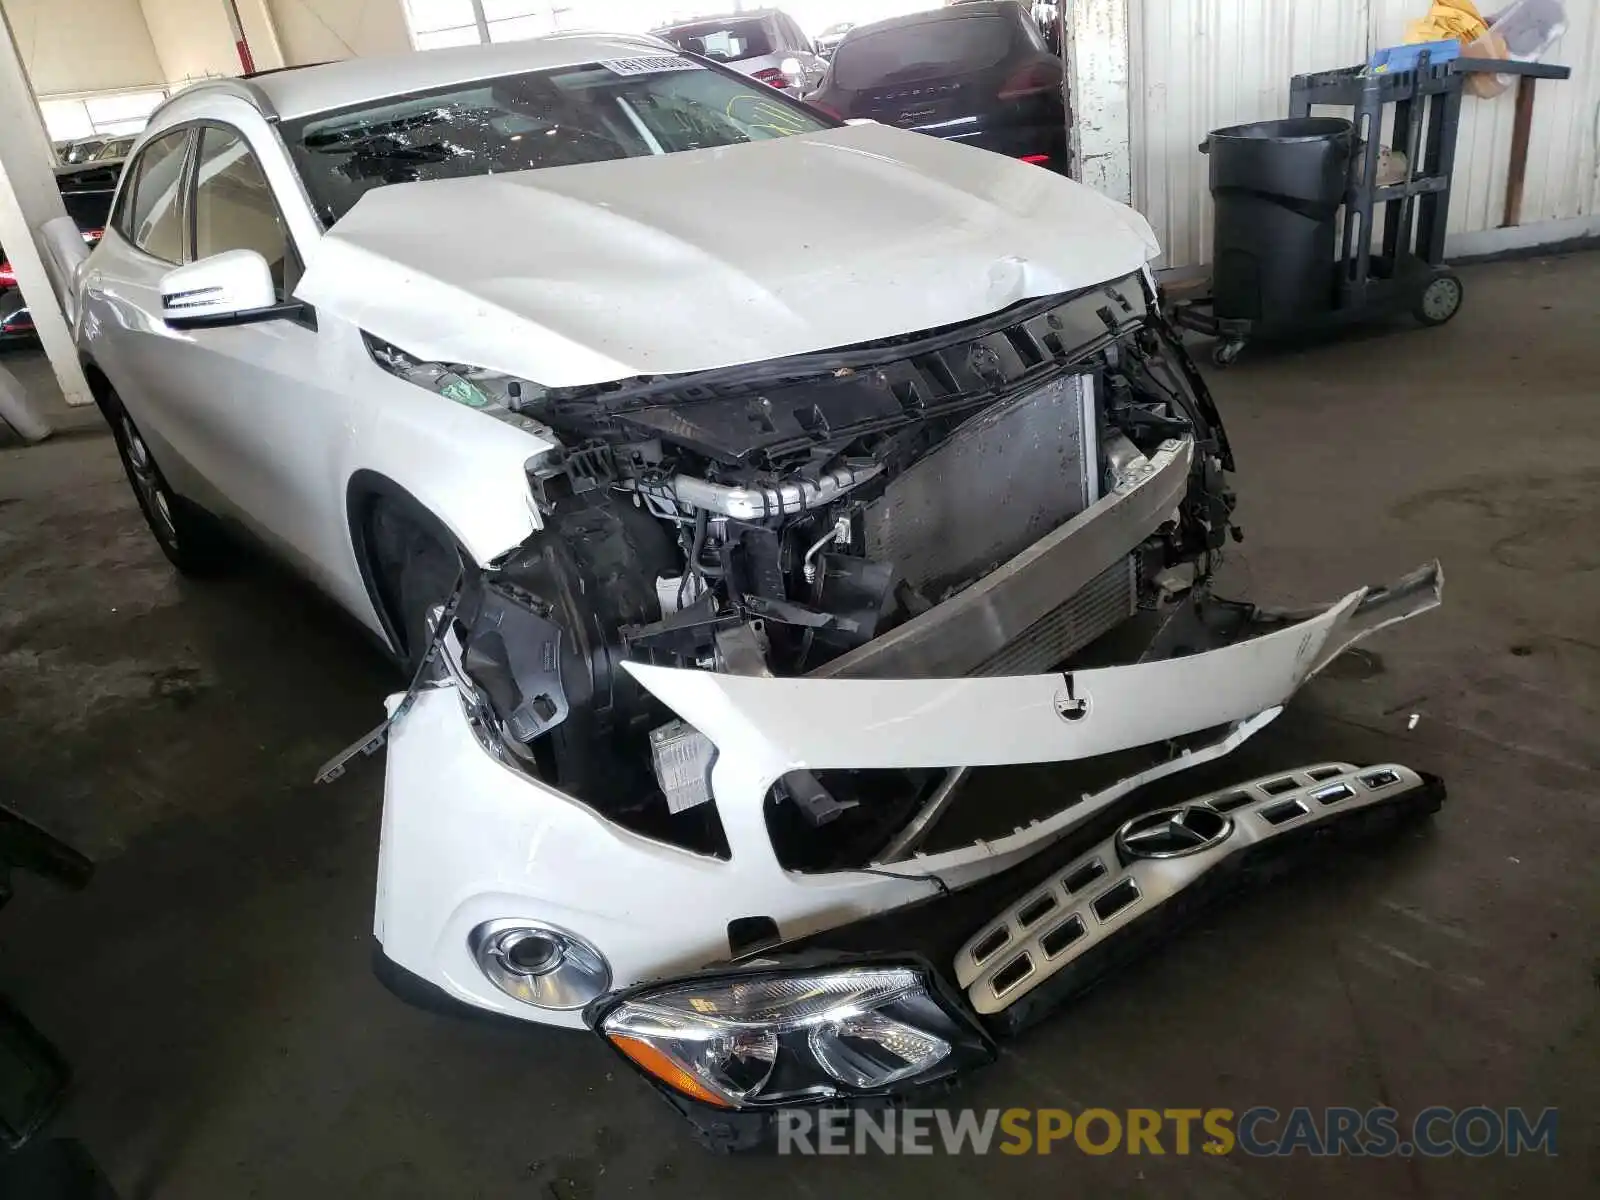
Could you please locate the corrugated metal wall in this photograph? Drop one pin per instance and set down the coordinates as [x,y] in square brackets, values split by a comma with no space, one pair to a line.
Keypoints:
[1200,64]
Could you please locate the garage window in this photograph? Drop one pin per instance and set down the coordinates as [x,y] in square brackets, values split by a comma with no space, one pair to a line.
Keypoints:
[234,208]
[440,23]
[151,213]
[104,115]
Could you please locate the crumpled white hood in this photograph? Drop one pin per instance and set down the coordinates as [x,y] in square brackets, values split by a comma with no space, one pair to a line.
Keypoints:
[713,258]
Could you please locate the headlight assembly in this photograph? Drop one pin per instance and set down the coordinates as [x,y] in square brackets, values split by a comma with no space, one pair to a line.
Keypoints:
[767,1037]
[498,395]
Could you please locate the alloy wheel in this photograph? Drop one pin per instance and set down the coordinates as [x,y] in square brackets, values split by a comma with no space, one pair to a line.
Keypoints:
[147,482]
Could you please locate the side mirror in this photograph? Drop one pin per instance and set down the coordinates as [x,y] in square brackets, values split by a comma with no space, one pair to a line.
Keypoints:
[793,72]
[231,288]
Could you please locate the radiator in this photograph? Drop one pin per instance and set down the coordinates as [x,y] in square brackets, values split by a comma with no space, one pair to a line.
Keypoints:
[1099,607]
[1002,481]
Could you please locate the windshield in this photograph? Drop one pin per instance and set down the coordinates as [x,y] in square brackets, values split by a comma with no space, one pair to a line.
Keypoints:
[79,152]
[725,41]
[934,49]
[116,148]
[628,108]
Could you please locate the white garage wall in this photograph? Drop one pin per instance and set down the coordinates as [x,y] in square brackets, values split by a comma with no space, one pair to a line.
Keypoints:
[191,38]
[322,30]
[71,46]
[1201,64]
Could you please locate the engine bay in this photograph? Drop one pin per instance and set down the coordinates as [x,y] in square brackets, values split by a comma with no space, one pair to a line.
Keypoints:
[778,519]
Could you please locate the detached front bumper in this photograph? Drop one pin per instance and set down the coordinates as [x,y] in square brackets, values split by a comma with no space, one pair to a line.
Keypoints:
[469,844]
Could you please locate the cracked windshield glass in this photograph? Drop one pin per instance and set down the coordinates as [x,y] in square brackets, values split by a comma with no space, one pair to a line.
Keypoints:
[622,108]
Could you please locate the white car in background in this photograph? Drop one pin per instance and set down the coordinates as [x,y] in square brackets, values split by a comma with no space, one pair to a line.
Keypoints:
[830,37]
[765,44]
[741,487]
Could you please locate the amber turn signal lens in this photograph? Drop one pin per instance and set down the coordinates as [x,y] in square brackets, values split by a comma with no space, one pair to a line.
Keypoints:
[658,1065]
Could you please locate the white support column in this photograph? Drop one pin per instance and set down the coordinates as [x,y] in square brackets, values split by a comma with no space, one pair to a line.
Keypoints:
[1097,72]
[482,21]
[28,198]
[261,31]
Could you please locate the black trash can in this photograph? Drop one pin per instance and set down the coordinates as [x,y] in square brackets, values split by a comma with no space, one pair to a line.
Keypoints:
[1277,186]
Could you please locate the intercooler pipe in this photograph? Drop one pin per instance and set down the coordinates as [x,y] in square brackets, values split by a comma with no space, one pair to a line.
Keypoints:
[756,503]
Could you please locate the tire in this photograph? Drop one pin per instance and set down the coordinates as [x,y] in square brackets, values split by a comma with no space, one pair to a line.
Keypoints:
[187,534]
[1440,300]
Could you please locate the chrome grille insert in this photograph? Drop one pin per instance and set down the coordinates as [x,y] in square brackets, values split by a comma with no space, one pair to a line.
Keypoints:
[1037,911]
[1283,812]
[1081,877]
[1119,897]
[1055,940]
[1333,793]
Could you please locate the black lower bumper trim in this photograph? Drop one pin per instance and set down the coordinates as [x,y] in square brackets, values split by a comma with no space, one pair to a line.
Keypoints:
[413,989]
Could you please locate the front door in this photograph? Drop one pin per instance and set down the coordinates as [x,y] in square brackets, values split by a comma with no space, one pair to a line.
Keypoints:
[261,403]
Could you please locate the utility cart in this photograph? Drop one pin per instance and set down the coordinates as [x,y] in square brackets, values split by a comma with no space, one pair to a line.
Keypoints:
[1297,204]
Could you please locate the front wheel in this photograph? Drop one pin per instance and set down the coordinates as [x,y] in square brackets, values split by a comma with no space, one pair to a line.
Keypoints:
[183,532]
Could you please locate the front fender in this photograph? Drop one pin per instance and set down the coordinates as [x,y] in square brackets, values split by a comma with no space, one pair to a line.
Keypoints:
[464,467]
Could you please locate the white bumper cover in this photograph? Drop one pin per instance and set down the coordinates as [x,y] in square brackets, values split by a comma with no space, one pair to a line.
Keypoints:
[467,840]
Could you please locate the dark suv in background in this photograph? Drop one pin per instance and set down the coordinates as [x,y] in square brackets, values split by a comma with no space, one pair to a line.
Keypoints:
[978,73]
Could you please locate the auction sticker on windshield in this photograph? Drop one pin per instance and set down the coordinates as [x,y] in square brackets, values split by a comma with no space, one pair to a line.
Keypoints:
[650,64]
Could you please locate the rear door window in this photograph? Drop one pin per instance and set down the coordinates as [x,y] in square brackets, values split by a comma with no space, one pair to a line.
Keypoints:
[927,50]
[152,215]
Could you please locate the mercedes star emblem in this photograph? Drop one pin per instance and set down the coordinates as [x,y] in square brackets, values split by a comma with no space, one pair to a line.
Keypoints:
[1172,832]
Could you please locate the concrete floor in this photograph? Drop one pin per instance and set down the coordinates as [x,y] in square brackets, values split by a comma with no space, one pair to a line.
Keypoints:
[212,984]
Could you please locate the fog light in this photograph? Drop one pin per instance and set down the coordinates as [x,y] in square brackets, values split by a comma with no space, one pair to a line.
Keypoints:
[539,964]
[530,952]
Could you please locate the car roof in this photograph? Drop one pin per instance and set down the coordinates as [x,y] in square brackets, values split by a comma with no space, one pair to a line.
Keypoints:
[751,14]
[964,8]
[303,91]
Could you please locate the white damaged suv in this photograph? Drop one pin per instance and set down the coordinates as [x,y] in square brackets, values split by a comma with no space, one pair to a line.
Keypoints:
[743,489]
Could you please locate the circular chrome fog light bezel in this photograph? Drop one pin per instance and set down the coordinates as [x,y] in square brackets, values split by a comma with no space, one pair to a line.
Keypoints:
[569,975]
